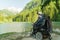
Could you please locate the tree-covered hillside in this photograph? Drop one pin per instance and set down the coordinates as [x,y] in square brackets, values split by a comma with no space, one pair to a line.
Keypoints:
[48,7]
[6,16]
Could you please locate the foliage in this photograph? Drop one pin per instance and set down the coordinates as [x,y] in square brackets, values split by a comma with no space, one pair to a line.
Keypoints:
[48,7]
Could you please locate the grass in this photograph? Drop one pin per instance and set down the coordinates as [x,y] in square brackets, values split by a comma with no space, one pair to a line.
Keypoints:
[6,34]
[56,25]
[11,36]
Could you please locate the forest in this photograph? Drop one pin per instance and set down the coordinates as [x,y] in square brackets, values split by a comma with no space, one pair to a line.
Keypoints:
[48,7]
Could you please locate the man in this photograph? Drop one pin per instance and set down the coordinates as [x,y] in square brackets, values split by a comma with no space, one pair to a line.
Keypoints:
[42,21]
[39,23]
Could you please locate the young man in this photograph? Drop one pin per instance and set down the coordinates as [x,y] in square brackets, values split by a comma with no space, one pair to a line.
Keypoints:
[42,21]
[39,23]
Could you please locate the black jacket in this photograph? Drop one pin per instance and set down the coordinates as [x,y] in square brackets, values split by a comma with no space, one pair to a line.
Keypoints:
[40,21]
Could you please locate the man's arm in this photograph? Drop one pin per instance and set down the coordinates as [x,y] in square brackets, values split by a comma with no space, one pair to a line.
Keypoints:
[40,21]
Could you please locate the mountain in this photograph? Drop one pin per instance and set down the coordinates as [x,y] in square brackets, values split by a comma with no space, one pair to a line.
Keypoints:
[48,7]
[14,9]
[6,12]
[6,16]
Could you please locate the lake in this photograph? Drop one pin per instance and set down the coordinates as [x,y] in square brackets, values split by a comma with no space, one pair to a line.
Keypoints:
[14,27]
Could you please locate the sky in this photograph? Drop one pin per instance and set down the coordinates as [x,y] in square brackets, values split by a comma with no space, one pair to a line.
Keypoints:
[13,4]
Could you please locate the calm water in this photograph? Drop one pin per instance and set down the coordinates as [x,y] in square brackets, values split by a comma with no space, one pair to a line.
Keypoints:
[14,27]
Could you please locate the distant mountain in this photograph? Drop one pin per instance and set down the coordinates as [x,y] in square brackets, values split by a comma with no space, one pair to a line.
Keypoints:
[6,12]
[10,11]
[14,9]
[6,16]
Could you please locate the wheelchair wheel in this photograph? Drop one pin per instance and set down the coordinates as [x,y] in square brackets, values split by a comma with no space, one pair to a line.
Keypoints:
[50,38]
[39,36]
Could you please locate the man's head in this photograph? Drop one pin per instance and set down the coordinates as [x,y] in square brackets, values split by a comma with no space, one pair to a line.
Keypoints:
[40,14]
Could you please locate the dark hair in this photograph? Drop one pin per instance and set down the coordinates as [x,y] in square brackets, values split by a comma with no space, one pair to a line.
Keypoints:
[48,17]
